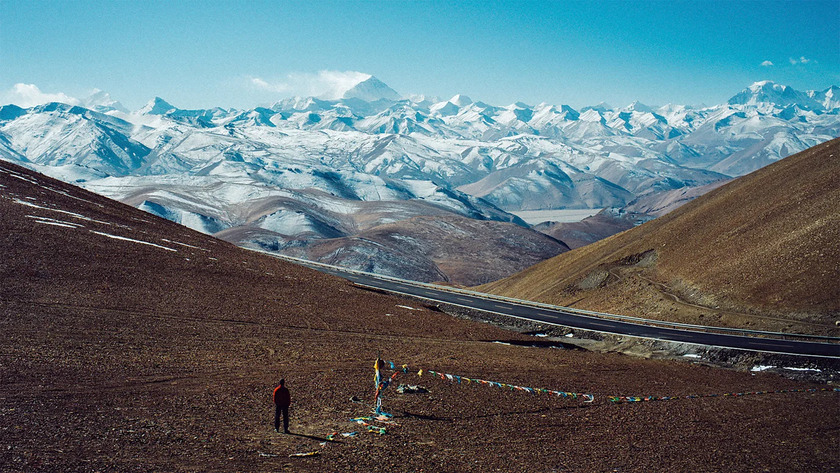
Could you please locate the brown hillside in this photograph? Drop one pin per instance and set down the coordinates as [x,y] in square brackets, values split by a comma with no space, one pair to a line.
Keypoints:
[131,344]
[761,251]
[587,231]
[449,248]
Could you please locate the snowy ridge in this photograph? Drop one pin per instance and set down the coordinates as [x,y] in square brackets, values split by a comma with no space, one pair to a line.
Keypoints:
[303,168]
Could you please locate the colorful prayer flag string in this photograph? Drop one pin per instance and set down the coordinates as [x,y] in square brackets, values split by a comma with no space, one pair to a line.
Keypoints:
[564,394]
[381,384]
[463,379]
[460,379]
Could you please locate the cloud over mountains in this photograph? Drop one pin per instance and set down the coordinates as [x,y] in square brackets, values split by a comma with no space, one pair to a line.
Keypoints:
[325,84]
[29,95]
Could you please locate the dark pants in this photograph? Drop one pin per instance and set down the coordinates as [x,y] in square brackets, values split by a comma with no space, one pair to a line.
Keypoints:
[285,410]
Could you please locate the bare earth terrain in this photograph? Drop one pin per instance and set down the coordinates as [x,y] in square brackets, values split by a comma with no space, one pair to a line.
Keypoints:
[133,344]
[760,252]
[455,250]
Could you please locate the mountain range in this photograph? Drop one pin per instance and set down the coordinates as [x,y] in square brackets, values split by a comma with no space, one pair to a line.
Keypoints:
[309,172]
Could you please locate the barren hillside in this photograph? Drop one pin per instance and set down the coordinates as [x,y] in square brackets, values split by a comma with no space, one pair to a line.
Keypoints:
[760,251]
[133,344]
[446,248]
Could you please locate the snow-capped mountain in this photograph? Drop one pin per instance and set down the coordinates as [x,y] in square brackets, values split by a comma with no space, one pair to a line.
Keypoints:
[768,95]
[829,98]
[101,101]
[156,106]
[371,90]
[310,168]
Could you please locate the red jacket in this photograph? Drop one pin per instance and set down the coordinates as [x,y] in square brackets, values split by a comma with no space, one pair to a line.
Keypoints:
[282,397]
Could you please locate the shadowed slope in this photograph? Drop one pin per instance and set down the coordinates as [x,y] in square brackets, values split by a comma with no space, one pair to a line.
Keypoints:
[765,243]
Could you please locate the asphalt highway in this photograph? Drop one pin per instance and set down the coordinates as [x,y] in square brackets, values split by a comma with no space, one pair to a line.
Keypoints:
[585,322]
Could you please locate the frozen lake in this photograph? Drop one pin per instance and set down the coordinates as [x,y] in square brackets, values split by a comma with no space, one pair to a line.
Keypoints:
[533,217]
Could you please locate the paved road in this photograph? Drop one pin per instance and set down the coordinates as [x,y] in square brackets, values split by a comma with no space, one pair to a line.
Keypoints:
[585,322]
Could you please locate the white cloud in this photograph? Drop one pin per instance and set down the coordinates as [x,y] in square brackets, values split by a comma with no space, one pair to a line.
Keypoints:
[29,95]
[767,63]
[801,60]
[328,85]
[261,84]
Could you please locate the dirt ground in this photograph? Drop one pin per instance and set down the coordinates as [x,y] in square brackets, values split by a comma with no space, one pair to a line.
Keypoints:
[114,391]
[123,356]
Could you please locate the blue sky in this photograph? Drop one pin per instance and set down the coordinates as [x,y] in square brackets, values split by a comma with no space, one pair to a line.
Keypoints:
[241,54]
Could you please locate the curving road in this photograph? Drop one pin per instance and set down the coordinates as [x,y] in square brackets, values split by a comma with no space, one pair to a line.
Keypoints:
[557,316]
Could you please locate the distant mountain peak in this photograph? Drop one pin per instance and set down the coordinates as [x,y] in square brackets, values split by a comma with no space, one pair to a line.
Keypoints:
[101,101]
[637,106]
[762,83]
[770,93]
[829,98]
[157,106]
[601,107]
[592,115]
[371,90]
[461,100]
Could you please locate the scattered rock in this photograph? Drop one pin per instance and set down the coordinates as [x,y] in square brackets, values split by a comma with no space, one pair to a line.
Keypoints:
[411,389]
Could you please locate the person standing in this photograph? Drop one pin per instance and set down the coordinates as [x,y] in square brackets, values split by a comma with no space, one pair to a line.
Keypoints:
[282,400]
